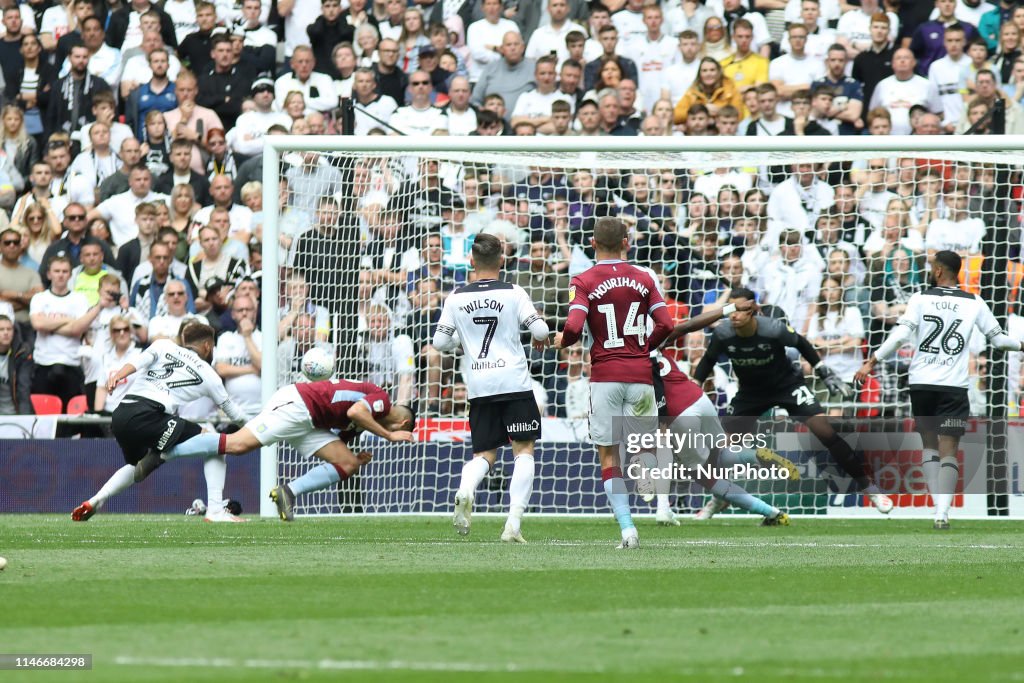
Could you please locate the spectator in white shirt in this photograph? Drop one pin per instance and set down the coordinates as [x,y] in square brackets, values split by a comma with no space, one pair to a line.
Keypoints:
[819,38]
[461,115]
[119,210]
[238,358]
[795,70]
[420,117]
[550,38]
[246,138]
[798,201]
[904,89]
[484,37]
[534,106]
[792,281]
[960,232]
[368,101]
[652,53]
[950,75]
[317,88]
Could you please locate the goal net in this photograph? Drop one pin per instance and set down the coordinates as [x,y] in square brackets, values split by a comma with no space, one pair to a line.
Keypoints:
[833,234]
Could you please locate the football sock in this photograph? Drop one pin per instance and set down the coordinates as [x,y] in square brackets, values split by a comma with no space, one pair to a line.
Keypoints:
[519,490]
[848,461]
[930,464]
[730,458]
[949,472]
[320,477]
[738,496]
[205,444]
[664,507]
[615,489]
[119,481]
[215,468]
[473,472]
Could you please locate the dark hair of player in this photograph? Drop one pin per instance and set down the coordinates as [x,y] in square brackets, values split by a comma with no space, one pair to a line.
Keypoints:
[742,293]
[408,408]
[609,233]
[193,332]
[487,252]
[950,260]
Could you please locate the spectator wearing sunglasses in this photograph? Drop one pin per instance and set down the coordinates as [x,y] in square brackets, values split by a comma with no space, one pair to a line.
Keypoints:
[74,237]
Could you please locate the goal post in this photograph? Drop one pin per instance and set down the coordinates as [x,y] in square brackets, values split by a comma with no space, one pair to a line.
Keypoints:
[379,181]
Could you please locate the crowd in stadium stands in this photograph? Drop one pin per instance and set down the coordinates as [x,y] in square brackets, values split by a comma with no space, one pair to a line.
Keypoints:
[131,140]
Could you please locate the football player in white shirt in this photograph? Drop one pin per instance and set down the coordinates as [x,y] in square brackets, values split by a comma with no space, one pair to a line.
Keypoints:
[940,321]
[169,376]
[486,317]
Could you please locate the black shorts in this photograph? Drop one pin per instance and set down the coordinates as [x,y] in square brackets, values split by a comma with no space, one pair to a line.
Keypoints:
[747,406]
[940,411]
[140,424]
[659,388]
[493,423]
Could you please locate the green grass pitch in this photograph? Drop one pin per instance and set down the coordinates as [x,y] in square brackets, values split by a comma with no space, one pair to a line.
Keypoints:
[404,599]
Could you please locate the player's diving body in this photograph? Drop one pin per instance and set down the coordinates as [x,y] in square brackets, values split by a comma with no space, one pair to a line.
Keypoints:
[688,410]
[940,321]
[146,420]
[767,378]
[304,416]
[486,317]
[613,299]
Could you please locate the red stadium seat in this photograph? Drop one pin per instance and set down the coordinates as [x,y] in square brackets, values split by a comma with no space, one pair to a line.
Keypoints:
[46,404]
[871,392]
[78,405]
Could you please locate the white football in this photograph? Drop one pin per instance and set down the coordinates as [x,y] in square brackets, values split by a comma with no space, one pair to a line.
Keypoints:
[318,364]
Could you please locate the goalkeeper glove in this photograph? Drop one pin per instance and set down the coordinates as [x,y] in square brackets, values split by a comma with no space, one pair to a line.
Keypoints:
[832,381]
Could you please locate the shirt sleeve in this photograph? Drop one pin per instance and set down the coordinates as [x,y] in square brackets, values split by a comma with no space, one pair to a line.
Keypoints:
[444,335]
[378,402]
[911,318]
[988,325]
[529,318]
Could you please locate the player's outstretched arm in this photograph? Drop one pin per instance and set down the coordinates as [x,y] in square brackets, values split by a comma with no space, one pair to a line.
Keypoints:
[115,378]
[573,327]
[662,327]
[710,316]
[895,340]
[360,414]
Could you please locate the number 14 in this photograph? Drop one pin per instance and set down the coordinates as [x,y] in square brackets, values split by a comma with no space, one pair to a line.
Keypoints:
[635,325]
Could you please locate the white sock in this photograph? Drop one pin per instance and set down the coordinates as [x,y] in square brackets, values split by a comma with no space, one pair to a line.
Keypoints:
[949,473]
[215,468]
[519,490]
[663,504]
[930,465]
[119,481]
[473,472]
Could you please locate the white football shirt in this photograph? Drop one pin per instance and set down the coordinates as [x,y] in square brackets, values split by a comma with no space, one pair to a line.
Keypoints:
[173,376]
[942,320]
[489,316]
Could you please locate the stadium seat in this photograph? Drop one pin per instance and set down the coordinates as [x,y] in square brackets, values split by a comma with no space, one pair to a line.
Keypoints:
[46,404]
[78,405]
[870,392]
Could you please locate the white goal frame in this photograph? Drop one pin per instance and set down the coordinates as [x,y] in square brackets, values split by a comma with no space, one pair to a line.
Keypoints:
[983,148]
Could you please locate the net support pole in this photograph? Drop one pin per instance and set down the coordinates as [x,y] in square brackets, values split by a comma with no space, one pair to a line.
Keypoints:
[268,315]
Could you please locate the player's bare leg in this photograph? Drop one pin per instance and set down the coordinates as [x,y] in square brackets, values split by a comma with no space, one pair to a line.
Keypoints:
[848,461]
[725,493]
[519,491]
[473,472]
[615,489]
[942,471]
[339,463]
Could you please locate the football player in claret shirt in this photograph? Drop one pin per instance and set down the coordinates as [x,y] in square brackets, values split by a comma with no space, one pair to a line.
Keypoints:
[688,410]
[756,345]
[613,299]
[941,321]
[304,415]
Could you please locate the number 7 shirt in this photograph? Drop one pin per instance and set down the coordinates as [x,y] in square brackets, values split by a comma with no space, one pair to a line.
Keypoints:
[488,316]
[612,299]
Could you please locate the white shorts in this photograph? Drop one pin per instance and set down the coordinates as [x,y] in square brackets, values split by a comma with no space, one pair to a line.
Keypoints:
[286,418]
[612,407]
[703,428]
